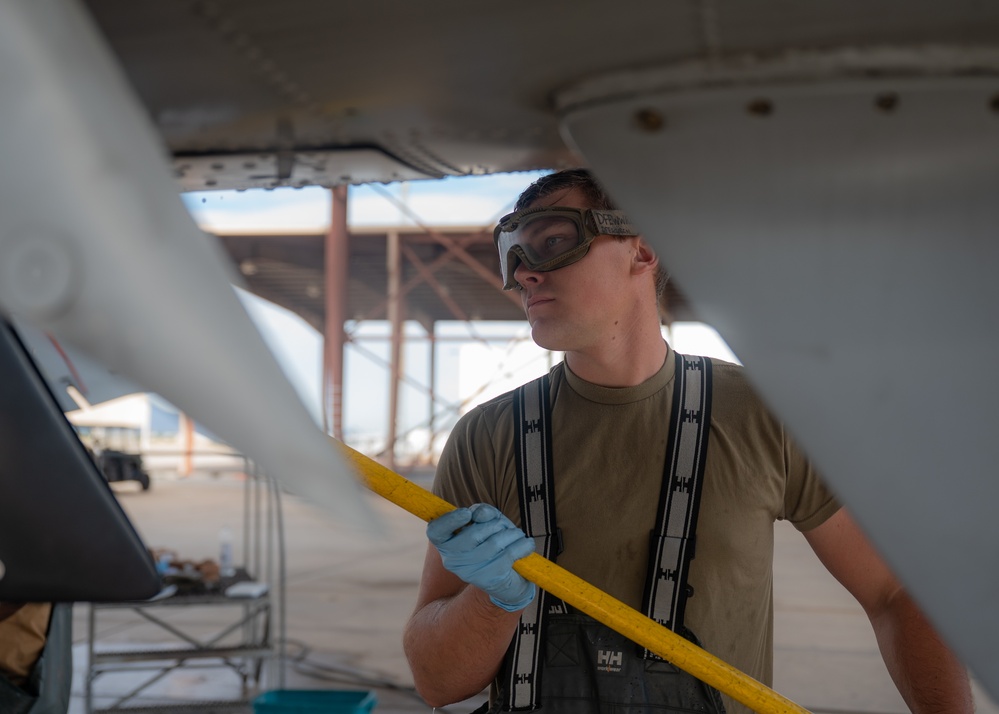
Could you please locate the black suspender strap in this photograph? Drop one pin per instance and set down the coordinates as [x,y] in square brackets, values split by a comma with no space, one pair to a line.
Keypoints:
[673,543]
[532,410]
[686,451]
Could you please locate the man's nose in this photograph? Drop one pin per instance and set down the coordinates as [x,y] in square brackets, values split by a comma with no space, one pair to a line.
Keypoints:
[524,275]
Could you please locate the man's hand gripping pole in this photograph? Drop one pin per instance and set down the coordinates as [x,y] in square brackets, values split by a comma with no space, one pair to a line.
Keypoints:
[583,596]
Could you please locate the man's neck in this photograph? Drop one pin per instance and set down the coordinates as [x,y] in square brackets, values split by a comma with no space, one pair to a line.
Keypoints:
[619,365]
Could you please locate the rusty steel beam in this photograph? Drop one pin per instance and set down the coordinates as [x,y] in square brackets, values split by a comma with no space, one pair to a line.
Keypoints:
[380,310]
[396,308]
[434,283]
[451,245]
[432,391]
[336,262]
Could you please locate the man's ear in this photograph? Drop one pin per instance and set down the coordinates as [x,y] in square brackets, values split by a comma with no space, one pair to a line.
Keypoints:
[645,259]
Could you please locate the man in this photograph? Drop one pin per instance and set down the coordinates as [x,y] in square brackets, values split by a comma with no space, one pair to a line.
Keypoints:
[590,286]
[23,632]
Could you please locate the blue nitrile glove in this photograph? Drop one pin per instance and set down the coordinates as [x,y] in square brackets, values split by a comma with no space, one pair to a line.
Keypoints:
[482,553]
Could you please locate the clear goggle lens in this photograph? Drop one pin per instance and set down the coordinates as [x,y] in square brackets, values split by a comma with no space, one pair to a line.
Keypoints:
[551,238]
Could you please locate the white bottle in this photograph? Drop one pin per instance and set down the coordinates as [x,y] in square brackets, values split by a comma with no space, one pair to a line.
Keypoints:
[225,553]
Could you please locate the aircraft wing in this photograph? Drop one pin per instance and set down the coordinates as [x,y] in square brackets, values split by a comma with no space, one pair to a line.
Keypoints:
[844,244]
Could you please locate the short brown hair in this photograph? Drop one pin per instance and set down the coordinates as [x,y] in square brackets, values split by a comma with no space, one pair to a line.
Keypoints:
[596,196]
[567,180]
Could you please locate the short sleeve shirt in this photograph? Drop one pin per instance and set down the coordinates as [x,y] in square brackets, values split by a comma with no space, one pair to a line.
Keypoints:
[609,452]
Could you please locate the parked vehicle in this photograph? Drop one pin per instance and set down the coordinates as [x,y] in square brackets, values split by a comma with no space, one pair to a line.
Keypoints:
[116,451]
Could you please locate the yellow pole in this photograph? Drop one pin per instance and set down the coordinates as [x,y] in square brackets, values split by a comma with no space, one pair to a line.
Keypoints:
[583,596]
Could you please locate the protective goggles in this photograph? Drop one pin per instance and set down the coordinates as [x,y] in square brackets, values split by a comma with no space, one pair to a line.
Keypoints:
[551,238]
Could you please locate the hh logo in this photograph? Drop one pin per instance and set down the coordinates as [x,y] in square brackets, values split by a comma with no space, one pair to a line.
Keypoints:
[609,660]
[690,415]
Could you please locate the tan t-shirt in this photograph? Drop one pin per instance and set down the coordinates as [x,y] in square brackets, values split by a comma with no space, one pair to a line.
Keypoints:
[609,451]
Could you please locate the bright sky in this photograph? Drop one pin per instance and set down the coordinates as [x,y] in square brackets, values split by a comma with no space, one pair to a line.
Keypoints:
[464,201]
[474,361]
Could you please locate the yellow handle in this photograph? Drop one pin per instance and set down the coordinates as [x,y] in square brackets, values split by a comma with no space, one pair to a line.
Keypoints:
[583,596]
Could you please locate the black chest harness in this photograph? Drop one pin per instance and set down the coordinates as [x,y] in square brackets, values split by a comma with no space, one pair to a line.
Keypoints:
[563,661]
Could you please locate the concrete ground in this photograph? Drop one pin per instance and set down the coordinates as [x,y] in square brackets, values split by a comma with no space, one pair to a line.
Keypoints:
[348,598]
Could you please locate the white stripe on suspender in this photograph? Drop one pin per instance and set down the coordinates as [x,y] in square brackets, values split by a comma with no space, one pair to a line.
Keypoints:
[665,599]
[665,596]
[537,508]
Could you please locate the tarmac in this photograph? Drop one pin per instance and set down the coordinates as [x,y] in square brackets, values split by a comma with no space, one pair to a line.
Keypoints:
[348,596]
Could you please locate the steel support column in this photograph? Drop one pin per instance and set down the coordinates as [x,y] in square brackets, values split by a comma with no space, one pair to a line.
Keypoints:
[396,317]
[432,390]
[336,259]
[187,445]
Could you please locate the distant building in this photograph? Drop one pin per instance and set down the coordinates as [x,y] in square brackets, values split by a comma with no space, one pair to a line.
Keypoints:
[170,445]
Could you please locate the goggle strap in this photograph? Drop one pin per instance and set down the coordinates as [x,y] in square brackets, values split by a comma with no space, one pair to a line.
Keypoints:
[612,223]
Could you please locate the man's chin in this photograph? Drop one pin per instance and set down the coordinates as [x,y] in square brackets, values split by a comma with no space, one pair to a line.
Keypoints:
[546,338]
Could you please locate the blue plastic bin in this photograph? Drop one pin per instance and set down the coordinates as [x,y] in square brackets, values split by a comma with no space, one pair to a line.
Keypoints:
[314,701]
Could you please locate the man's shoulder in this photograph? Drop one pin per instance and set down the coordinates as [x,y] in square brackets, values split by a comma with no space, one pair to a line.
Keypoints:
[727,374]
[485,414]
[555,375]
[731,388]
[499,407]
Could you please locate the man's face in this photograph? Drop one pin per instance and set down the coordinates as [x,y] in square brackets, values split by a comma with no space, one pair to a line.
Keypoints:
[577,307]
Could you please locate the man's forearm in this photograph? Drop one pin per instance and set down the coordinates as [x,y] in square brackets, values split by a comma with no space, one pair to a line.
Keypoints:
[928,675]
[455,645]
